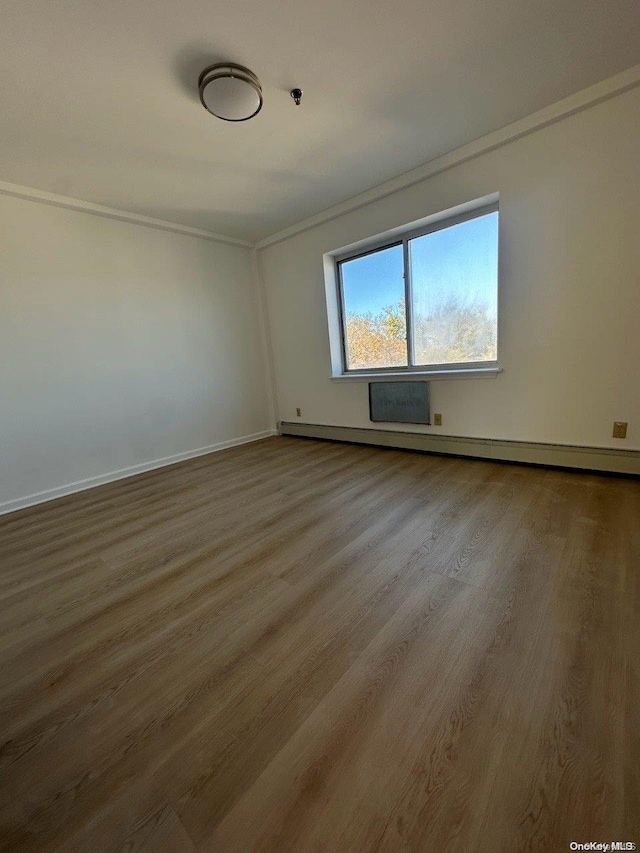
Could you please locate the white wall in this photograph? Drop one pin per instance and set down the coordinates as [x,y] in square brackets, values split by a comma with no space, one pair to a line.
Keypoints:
[119,345]
[569,289]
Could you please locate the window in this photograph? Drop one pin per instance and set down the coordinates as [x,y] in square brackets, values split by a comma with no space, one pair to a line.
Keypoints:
[425,301]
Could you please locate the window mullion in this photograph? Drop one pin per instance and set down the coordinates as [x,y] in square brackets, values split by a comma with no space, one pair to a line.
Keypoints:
[408,306]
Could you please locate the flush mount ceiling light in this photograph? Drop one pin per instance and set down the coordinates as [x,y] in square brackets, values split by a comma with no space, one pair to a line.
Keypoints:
[230,92]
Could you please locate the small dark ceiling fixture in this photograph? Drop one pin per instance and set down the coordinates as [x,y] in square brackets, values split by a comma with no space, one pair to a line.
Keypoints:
[230,91]
[297,94]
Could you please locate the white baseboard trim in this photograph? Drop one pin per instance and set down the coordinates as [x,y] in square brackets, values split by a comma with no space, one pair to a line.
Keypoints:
[603,459]
[123,473]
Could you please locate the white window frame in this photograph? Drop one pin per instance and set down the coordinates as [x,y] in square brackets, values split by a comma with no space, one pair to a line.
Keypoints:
[333,265]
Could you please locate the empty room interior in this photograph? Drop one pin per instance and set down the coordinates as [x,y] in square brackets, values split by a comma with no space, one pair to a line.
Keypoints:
[320,426]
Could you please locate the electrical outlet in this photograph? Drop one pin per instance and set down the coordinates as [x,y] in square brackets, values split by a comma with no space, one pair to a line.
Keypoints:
[437,420]
[298,413]
[619,429]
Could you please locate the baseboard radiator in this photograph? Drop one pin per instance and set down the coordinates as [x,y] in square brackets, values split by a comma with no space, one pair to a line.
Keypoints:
[603,459]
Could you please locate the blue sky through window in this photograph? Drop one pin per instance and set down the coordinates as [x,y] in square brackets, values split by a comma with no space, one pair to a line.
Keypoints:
[459,262]
[374,281]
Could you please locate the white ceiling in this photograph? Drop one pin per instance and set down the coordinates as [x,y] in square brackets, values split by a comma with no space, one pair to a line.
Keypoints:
[98,100]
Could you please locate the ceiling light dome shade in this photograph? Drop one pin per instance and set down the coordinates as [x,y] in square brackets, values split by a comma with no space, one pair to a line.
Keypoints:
[230,92]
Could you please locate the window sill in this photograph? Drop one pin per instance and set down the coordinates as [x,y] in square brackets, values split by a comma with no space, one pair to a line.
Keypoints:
[489,372]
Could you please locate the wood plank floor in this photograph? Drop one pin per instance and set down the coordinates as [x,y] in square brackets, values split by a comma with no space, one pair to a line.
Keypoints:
[305,646]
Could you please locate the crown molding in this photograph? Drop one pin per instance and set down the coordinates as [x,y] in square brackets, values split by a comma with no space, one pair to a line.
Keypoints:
[603,91]
[31,194]
[596,94]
